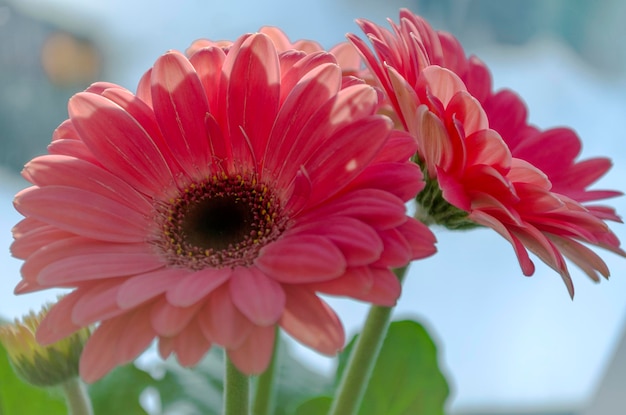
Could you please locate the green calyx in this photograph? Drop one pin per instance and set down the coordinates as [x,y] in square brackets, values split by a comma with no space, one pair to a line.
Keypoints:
[50,366]
[433,209]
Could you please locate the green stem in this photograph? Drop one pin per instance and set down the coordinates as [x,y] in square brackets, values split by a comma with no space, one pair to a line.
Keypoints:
[78,402]
[236,391]
[263,397]
[356,375]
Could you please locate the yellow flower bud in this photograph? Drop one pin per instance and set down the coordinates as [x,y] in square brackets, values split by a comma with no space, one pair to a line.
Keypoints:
[41,365]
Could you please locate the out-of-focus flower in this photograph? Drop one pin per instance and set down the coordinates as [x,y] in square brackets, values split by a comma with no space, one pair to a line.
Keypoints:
[215,204]
[485,165]
[70,61]
[41,365]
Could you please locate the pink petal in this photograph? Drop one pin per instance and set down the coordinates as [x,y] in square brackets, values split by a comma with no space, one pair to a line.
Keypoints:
[58,324]
[386,288]
[487,147]
[294,136]
[405,96]
[65,131]
[258,297]
[347,57]
[208,63]
[300,192]
[297,67]
[353,103]
[253,104]
[190,346]
[50,170]
[146,286]
[551,151]
[370,59]
[301,259]
[73,148]
[360,244]
[144,115]
[119,142]
[27,225]
[76,246]
[254,355]
[165,346]
[454,191]
[443,83]
[180,106]
[400,147]
[420,238]
[396,252]
[354,283]
[136,336]
[78,268]
[168,320]
[26,244]
[24,287]
[468,111]
[99,356]
[143,88]
[222,321]
[97,303]
[312,322]
[405,178]
[435,145]
[83,213]
[343,156]
[583,257]
[195,286]
[376,208]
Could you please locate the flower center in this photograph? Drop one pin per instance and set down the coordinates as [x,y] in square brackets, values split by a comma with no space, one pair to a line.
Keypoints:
[219,222]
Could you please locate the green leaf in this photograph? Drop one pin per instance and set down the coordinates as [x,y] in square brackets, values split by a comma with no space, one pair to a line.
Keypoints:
[295,382]
[316,406]
[406,379]
[18,397]
[119,391]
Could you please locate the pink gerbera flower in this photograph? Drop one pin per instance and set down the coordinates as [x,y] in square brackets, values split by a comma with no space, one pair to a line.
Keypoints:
[484,164]
[215,204]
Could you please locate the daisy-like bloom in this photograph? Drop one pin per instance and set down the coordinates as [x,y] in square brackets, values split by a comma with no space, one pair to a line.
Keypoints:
[485,165]
[41,365]
[215,204]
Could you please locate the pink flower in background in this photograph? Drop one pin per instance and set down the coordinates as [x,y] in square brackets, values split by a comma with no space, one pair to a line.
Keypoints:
[484,163]
[215,204]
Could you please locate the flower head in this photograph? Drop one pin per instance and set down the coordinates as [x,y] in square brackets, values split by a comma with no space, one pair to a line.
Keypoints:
[41,365]
[484,164]
[215,204]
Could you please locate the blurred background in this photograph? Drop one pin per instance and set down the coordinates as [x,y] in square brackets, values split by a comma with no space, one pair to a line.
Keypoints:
[508,344]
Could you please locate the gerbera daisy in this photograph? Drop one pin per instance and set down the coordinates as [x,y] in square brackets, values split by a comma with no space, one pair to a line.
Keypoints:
[215,204]
[484,164]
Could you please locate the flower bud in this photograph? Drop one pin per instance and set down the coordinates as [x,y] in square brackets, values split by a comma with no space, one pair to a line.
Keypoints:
[41,365]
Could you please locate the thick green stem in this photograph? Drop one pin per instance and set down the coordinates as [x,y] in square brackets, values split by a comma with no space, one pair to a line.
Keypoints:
[78,402]
[264,395]
[236,391]
[356,375]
